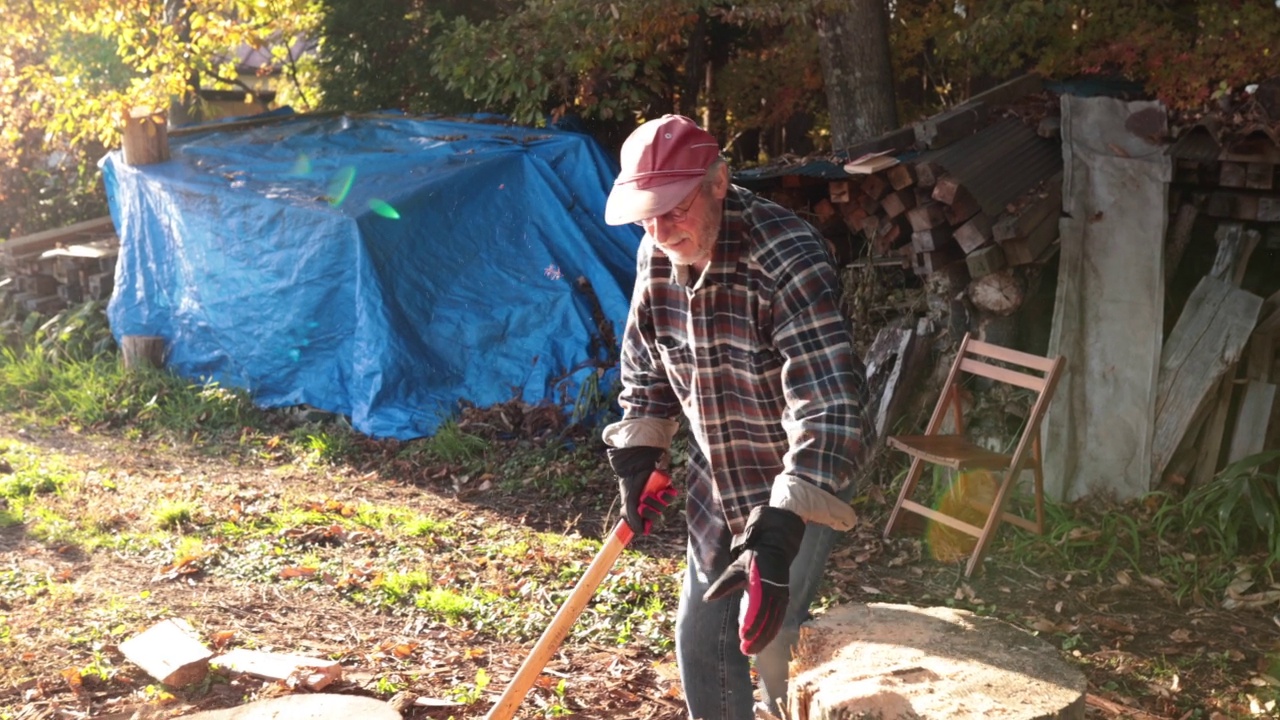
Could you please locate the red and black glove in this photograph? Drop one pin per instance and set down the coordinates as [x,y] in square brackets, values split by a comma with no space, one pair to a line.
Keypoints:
[633,466]
[762,567]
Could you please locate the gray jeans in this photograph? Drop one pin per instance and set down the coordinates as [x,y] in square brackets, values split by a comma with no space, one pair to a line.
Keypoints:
[715,674]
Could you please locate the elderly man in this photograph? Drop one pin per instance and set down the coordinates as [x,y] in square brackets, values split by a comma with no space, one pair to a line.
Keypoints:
[735,323]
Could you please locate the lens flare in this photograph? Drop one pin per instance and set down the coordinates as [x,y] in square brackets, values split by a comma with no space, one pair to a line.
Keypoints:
[341,184]
[301,166]
[966,498]
[381,207]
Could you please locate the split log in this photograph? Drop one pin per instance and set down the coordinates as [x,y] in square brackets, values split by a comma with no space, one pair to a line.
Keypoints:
[169,651]
[901,177]
[927,173]
[893,364]
[946,189]
[309,672]
[926,216]
[963,207]
[934,260]
[898,202]
[875,186]
[897,661]
[985,261]
[932,239]
[999,293]
[838,191]
[975,233]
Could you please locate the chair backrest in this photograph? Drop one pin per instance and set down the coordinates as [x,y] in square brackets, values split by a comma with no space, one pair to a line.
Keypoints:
[1000,364]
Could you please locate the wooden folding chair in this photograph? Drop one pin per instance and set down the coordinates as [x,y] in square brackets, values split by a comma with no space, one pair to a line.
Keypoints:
[956,451]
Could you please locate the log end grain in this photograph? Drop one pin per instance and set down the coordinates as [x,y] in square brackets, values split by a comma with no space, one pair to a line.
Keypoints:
[899,661]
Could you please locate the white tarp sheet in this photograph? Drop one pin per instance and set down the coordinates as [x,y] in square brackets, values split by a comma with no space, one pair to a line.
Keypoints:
[1108,313]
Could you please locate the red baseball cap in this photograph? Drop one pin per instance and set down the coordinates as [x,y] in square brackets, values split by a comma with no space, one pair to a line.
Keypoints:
[662,162]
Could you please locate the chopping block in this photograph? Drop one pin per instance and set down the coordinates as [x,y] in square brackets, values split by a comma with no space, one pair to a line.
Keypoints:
[895,662]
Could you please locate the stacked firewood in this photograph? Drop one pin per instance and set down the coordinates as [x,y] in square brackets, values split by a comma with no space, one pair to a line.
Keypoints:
[48,271]
[927,218]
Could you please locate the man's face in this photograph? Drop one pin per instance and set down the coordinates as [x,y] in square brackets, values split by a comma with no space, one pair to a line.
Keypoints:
[687,234]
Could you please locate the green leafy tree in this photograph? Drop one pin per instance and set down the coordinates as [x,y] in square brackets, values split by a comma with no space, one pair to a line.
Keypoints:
[71,69]
[376,54]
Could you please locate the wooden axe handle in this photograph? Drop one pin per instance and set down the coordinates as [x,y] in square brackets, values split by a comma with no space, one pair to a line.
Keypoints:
[505,708]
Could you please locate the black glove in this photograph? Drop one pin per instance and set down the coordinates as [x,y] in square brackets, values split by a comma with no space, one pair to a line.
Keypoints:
[633,466]
[763,567]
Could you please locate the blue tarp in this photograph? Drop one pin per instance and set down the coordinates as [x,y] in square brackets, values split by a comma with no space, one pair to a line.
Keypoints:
[380,267]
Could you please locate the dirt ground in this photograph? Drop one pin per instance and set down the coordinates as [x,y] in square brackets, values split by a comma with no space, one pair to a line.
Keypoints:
[1144,654]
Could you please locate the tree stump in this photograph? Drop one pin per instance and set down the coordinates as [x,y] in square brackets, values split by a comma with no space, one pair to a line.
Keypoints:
[142,351]
[894,662]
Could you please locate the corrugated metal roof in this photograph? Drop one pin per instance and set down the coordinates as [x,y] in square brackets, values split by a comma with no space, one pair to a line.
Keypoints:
[999,163]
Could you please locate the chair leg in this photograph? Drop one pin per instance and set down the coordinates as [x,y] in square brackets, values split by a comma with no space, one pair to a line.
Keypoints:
[908,486]
[1038,471]
[992,524]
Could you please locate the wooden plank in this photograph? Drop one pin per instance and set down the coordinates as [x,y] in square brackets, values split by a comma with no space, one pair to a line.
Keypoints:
[1027,218]
[1235,246]
[46,239]
[1021,251]
[1208,447]
[1268,210]
[1259,176]
[1011,90]
[954,124]
[1231,174]
[1180,236]
[1250,434]
[1208,338]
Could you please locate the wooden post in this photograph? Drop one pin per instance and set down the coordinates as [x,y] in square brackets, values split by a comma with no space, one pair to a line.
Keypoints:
[141,351]
[146,137]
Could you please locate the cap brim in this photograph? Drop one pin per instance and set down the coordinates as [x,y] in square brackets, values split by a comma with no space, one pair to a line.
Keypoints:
[628,203]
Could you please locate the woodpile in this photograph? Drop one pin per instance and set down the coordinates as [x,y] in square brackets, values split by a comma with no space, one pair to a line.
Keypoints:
[983,212]
[50,270]
[1232,193]
[967,201]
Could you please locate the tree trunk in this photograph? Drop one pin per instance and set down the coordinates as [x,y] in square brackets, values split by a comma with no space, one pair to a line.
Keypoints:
[853,42]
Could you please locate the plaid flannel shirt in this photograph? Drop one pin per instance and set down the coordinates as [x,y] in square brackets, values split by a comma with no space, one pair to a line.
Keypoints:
[758,355]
